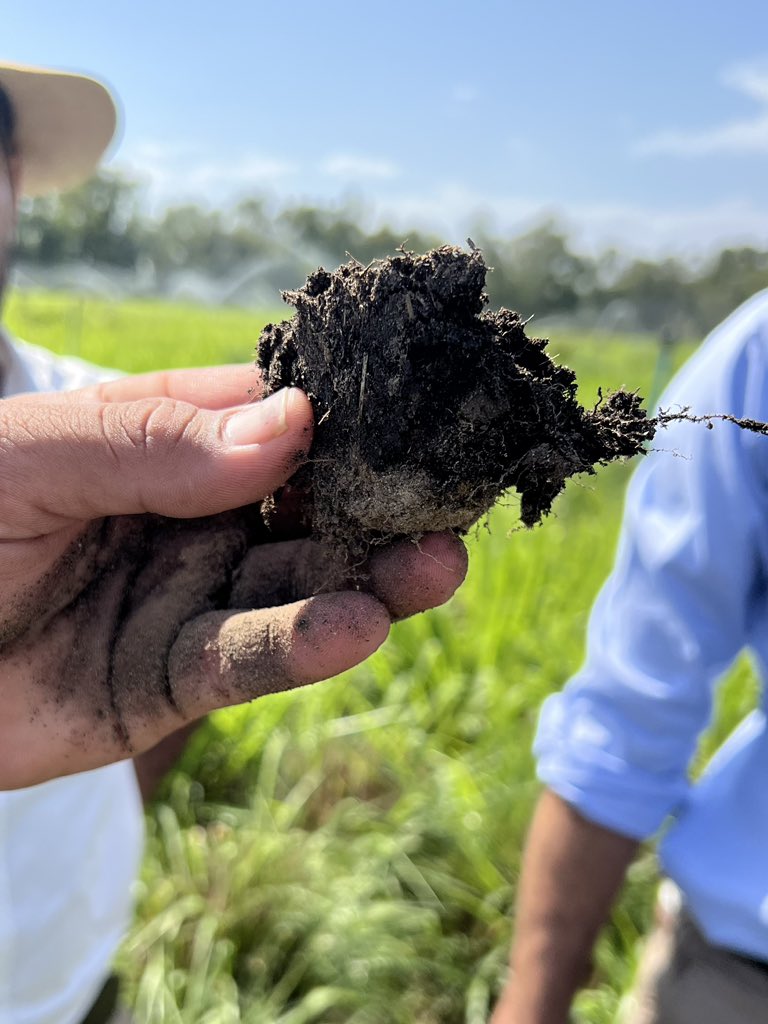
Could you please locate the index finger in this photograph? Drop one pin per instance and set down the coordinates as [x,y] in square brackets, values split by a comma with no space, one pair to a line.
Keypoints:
[211,387]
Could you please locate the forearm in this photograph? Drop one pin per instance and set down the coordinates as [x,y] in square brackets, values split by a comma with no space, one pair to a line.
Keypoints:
[572,870]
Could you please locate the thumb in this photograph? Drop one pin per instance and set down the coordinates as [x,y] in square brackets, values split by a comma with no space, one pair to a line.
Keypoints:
[84,460]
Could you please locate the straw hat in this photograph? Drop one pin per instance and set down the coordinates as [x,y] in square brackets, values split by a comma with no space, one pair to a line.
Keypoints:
[64,122]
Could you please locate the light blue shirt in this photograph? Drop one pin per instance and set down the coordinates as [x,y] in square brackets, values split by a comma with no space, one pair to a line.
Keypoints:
[688,592]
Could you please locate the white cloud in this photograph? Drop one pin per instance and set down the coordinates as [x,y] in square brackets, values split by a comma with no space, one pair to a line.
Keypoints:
[352,167]
[250,170]
[751,79]
[655,231]
[737,137]
[646,230]
[175,172]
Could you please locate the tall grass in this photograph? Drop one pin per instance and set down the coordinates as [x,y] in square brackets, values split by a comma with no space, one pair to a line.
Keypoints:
[138,335]
[350,853]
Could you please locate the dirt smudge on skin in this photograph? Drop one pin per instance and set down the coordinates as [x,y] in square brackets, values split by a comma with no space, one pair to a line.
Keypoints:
[284,572]
[95,635]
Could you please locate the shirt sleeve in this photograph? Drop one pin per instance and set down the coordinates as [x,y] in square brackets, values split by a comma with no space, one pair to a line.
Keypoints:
[687,586]
[46,371]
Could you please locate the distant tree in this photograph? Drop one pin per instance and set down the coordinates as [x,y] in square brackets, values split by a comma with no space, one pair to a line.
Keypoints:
[252,229]
[97,223]
[730,278]
[104,222]
[661,293]
[338,231]
[218,242]
[187,236]
[537,272]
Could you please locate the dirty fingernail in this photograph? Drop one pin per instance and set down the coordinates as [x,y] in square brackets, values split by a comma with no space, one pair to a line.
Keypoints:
[261,422]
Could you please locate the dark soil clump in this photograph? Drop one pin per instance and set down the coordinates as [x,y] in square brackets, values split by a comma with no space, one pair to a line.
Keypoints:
[428,407]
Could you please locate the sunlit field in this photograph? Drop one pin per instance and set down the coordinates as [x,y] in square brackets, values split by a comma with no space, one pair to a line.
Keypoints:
[350,853]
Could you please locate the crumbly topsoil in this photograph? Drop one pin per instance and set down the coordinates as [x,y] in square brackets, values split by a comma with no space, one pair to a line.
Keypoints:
[428,408]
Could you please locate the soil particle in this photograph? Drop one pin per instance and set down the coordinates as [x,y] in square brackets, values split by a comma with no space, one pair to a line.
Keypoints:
[429,407]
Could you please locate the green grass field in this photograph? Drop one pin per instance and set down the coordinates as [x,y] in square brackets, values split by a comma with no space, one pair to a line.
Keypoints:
[350,853]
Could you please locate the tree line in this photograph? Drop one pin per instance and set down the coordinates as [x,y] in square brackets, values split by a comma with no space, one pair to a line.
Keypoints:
[104,223]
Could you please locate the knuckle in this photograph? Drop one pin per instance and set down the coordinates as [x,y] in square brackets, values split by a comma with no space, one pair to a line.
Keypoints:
[147,427]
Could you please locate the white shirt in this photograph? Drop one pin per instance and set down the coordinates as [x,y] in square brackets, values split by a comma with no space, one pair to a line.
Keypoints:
[69,849]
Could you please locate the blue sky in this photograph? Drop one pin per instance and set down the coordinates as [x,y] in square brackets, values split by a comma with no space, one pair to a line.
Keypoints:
[640,124]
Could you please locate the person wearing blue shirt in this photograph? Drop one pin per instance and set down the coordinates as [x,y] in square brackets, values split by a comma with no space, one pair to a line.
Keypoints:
[688,593]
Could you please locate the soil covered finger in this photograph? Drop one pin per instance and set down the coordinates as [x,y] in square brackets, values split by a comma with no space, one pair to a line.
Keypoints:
[215,387]
[227,658]
[407,576]
[187,573]
[413,576]
[276,574]
[94,659]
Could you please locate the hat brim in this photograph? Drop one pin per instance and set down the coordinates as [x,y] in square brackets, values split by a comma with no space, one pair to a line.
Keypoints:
[64,123]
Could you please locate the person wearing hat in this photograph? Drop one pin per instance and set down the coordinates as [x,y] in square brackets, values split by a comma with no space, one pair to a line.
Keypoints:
[121,529]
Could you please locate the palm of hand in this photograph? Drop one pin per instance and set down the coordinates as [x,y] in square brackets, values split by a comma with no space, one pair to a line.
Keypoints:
[145,623]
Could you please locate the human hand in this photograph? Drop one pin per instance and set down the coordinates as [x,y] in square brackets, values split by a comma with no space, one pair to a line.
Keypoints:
[136,590]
